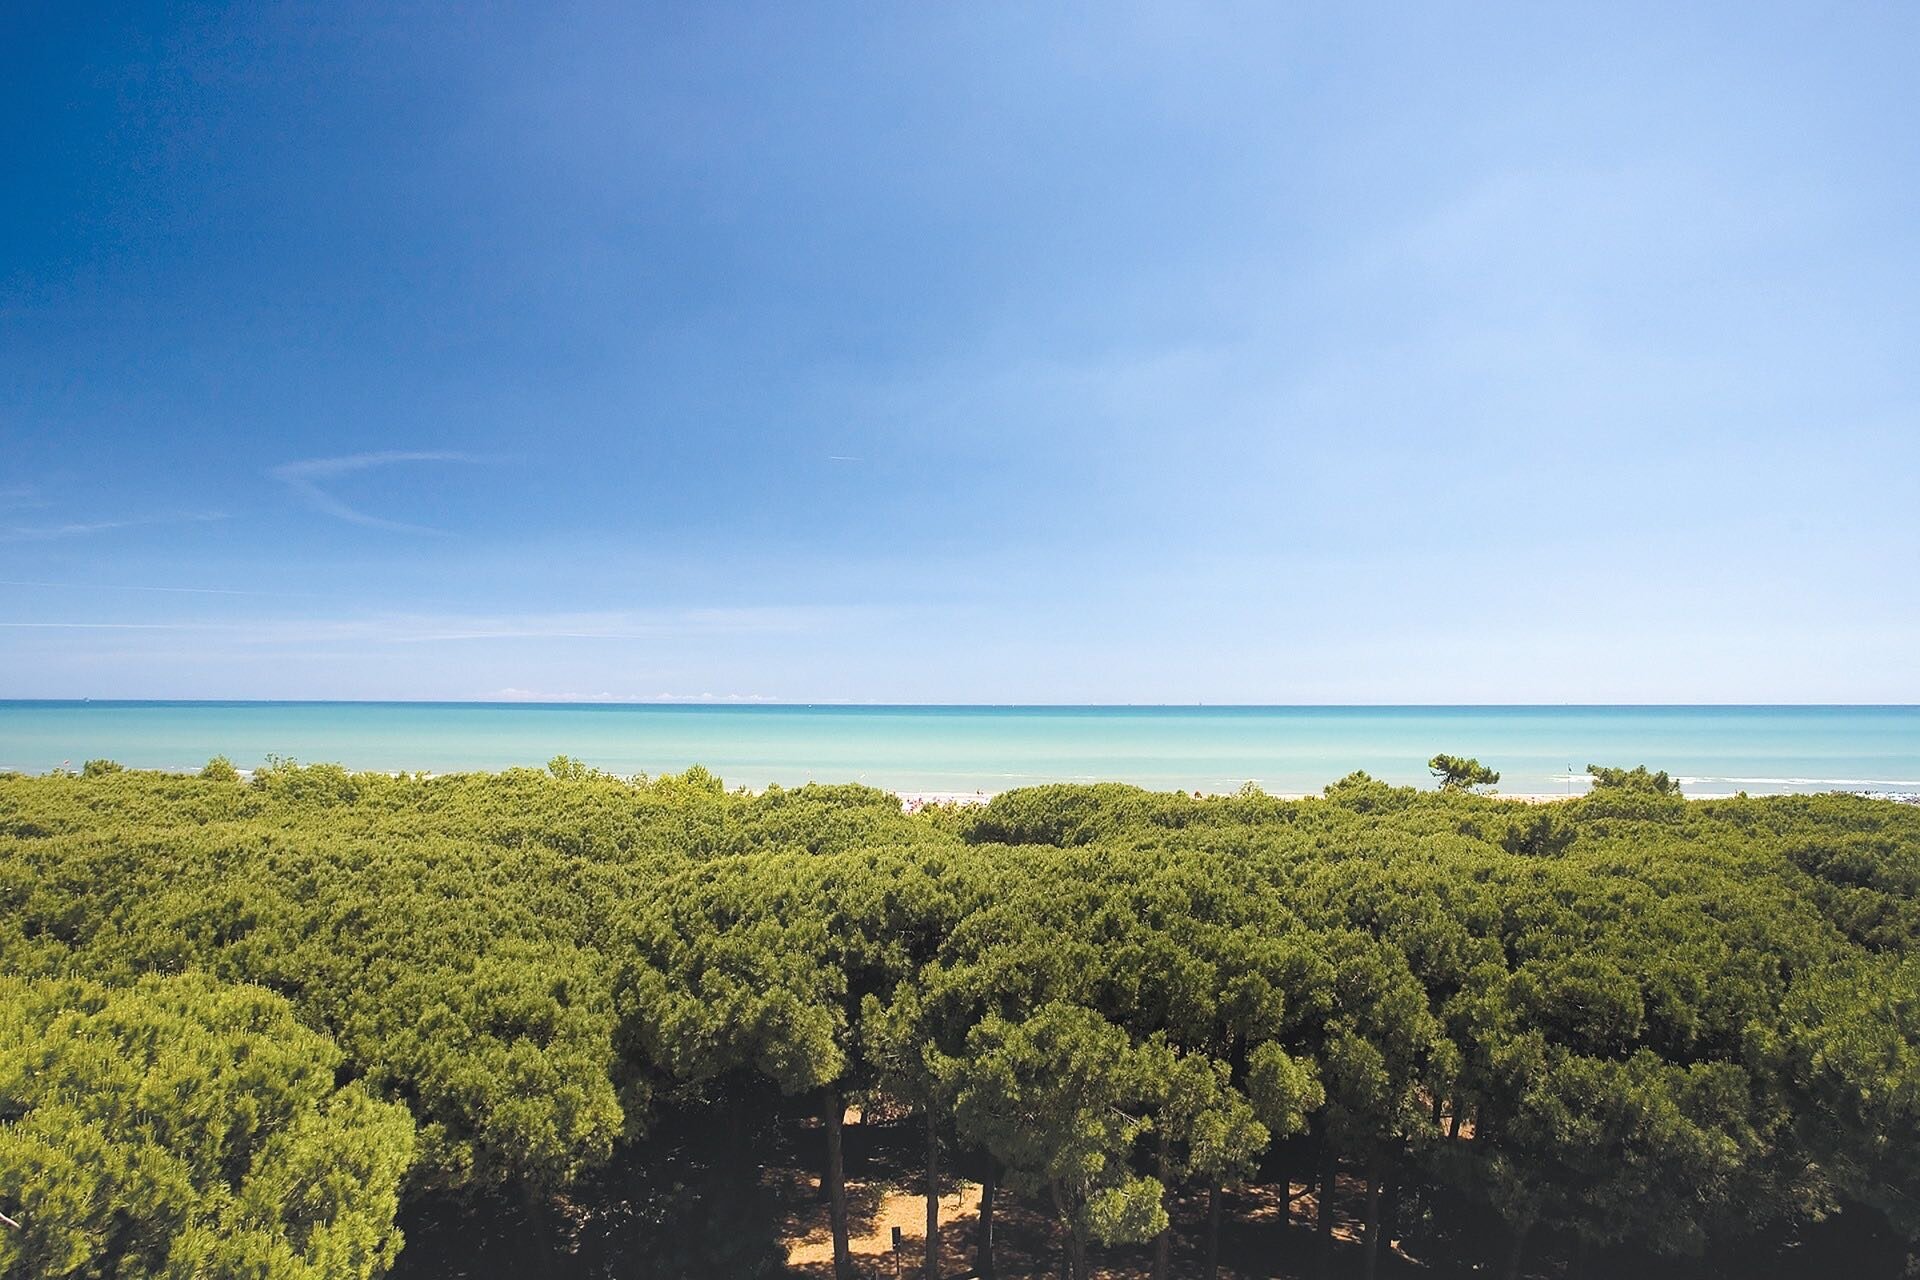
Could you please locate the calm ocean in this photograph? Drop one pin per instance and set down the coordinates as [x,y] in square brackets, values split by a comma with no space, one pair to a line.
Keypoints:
[964,749]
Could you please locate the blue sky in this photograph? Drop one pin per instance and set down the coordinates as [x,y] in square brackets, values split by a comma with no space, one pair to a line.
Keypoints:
[974,353]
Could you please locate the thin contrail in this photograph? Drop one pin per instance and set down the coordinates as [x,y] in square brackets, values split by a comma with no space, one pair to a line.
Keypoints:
[116,586]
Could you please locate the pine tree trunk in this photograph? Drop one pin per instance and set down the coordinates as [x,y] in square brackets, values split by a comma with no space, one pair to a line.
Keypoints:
[540,1261]
[1453,1121]
[1390,1211]
[1072,1250]
[833,1112]
[983,1240]
[1517,1251]
[1213,1230]
[1372,1256]
[1329,1171]
[932,1271]
[1068,1269]
[1163,1243]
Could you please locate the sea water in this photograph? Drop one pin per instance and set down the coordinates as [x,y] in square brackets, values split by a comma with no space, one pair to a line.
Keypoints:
[1285,750]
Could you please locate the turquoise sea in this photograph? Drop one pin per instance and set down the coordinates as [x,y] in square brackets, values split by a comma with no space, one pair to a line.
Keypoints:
[1288,750]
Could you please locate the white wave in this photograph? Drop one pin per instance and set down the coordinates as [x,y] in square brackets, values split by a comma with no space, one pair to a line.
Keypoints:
[1805,782]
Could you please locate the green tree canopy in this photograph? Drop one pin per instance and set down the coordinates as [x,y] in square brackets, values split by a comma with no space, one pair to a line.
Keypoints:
[1634,779]
[1059,1099]
[1460,773]
[182,1127]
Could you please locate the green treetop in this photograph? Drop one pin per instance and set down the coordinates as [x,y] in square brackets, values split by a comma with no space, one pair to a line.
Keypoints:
[183,1127]
[1460,773]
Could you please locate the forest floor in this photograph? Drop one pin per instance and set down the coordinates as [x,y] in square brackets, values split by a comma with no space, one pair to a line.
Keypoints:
[748,1201]
[1260,1234]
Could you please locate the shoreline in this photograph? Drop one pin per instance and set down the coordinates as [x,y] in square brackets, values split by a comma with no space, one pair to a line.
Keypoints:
[949,754]
[913,799]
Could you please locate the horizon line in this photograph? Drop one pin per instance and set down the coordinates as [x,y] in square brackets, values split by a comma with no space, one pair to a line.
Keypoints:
[747,704]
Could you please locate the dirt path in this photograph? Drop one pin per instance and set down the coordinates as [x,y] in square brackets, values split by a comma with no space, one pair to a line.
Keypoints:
[873,1211]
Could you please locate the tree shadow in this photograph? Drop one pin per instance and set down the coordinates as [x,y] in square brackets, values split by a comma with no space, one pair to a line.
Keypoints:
[686,1200]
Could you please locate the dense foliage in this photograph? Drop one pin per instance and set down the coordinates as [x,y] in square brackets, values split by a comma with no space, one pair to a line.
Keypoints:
[186,1127]
[247,1021]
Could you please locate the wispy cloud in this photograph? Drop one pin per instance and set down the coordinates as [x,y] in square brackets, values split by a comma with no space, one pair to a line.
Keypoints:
[712,697]
[616,625]
[20,497]
[84,528]
[418,629]
[307,478]
[50,532]
[531,695]
[117,586]
[112,626]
